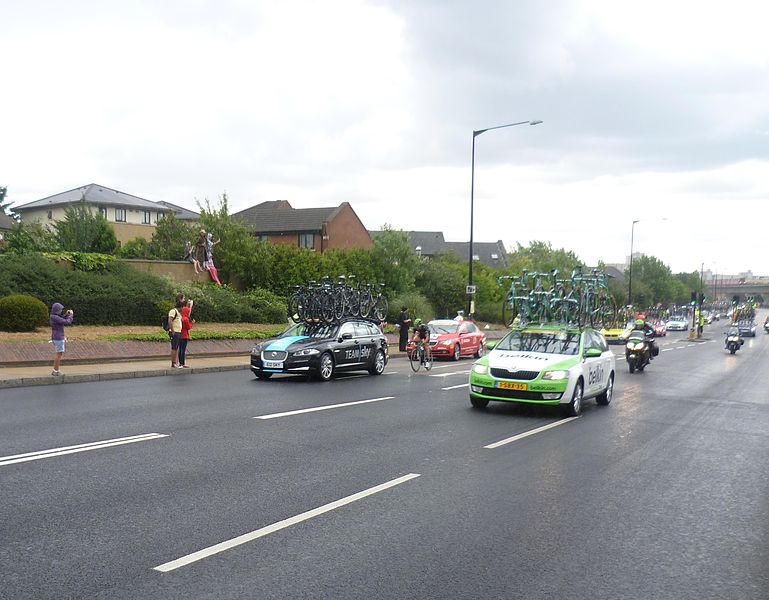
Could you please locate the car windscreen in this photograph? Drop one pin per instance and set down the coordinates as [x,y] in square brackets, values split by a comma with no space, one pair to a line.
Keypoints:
[441,328]
[560,342]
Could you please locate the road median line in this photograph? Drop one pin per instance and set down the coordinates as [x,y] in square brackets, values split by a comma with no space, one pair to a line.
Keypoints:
[526,434]
[249,537]
[318,408]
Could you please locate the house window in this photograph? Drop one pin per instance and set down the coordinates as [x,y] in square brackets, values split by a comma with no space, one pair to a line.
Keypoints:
[476,257]
[307,240]
[120,215]
[495,257]
[159,216]
[147,217]
[103,212]
[262,238]
[50,215]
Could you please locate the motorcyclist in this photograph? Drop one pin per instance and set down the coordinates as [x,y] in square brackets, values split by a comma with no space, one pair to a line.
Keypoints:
[641,325]
[732,331]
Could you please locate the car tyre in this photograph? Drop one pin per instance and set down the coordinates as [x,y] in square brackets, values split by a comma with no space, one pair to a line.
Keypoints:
[480,350]
[604,398]
[479,402]
[326,367]
[574,408]
[457,352]
[263,376]
[379,363]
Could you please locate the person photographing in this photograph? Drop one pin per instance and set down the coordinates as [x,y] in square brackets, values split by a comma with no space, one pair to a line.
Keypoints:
[57,333]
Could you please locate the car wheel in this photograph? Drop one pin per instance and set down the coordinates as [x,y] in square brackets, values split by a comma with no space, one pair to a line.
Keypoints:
[263,376]
[379,363]
[604,399]
[479,402]
[480,350]
[457,352]
[326,369]
[574,407]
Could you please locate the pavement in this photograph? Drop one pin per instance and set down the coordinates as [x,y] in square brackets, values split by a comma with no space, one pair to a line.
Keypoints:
[23,365]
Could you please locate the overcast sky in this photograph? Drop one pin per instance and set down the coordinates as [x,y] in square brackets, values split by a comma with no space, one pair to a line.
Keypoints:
[653,110]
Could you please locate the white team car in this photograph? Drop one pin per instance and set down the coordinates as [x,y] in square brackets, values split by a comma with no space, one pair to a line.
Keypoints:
[545,365]
[678,323]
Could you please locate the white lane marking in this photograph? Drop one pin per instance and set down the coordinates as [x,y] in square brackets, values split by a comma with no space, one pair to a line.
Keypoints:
[679,347]
[454,387]
[249,537]
[690,345]
[317,408]
[667,349]
[520,436]
[448,374]
[40,454]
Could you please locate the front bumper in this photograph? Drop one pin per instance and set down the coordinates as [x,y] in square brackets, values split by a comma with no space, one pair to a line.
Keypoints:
[537,391]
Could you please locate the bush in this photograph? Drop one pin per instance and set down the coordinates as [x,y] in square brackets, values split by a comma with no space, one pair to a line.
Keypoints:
[20,312]
[417,304]
[267,307]
[491,311]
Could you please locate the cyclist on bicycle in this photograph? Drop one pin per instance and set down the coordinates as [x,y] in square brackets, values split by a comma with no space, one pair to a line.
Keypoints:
[422,335]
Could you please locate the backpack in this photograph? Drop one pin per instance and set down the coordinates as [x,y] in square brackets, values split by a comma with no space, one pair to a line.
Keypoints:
[166,323]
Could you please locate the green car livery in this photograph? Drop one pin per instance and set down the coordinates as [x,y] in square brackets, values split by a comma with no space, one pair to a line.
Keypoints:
[545,365]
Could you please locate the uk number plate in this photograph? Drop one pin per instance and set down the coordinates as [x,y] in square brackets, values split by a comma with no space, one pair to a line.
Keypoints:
[272,364]
[509,385]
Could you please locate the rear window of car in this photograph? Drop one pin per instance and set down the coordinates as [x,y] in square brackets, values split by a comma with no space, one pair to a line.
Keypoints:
[560,342]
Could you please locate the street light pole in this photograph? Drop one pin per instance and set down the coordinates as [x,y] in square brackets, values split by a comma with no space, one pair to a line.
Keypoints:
[476,133]
[630,268]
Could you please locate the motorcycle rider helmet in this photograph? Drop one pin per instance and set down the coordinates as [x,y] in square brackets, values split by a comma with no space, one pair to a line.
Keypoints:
[417,322]
[639,322]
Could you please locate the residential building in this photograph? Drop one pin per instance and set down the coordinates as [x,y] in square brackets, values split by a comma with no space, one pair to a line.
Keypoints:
[6,223]
[430,243]
[316,228]
[130,216]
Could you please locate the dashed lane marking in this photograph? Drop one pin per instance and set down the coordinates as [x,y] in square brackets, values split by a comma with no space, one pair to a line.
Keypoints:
[449,374]
[249,537]
[317,408]
[526,434]
[41,454]
[456,387]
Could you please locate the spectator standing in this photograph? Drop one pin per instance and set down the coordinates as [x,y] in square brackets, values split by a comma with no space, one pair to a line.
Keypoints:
[175,332]
[404,323]
[187,324]
[57,333]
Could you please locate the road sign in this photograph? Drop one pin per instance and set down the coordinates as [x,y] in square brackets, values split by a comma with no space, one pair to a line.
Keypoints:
[471,289]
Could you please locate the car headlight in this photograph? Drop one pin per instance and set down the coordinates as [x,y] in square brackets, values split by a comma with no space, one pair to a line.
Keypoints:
[555,375]
[480,369]
[306,352]
[256,350]
[446,343]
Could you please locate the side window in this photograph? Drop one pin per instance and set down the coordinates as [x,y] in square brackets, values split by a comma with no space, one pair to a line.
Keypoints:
[361,330]
[596,341]
[471,328]
[373,329]
[347,328]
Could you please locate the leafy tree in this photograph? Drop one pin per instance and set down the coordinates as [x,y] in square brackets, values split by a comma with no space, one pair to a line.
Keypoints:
[541,256]
[5,206]
[136,248]
[168,239]
[442,279]
[26,237]
[83,230]
[393,260]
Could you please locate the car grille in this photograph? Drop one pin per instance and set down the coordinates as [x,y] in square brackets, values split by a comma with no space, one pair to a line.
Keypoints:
[505,374]
[274,355]
[512,394]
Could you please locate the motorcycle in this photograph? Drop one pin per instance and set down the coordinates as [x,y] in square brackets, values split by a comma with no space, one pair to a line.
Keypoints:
[733,340]
[766,326]
[637,351]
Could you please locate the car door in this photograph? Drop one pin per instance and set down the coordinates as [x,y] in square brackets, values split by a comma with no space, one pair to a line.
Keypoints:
[365,338]
[469,336]
[345,346]
[595,367]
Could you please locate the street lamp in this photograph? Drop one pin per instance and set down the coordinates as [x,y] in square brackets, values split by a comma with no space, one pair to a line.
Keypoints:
[476,133]
[630,268]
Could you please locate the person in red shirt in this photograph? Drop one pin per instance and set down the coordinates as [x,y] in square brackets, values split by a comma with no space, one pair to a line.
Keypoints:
[187,324]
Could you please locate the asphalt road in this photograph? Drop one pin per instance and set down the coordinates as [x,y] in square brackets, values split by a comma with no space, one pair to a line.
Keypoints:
[663,494]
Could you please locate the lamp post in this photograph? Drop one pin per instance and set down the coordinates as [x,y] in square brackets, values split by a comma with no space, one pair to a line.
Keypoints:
[476,133]
[630,268]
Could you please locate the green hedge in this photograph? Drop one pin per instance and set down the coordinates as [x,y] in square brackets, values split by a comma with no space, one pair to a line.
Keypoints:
[20,312]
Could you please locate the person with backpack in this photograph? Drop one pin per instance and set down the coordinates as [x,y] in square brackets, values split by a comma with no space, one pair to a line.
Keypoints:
[174,318]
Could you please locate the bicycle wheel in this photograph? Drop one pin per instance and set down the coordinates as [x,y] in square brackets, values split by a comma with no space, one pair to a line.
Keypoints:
[326,302]
[380,308]
[508,310]
[295,308]
[415,359]
[366,302]
[339,305]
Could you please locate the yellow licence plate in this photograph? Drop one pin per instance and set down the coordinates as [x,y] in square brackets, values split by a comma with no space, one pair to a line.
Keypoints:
[509,385]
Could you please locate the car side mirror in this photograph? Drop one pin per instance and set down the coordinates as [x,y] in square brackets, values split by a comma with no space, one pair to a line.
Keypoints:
[593,353]
[345,336]
[491,345]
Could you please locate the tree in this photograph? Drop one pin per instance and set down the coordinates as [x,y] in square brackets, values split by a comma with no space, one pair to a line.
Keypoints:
[27,237]
[83,230]
[442,279]
[169,237]
[540,256]
[394,260]
[5,206]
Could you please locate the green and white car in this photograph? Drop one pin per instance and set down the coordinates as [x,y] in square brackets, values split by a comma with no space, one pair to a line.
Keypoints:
[545,365]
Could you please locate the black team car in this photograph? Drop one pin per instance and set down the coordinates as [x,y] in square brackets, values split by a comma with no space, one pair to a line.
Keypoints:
[321,350]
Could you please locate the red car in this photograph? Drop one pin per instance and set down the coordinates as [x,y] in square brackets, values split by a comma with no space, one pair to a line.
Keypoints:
[660,329]
[452,339]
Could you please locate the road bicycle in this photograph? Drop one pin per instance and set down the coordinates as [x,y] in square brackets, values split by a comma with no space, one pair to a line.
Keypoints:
[418,357]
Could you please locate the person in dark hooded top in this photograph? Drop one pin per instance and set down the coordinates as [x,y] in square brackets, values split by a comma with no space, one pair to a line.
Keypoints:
[57,333]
